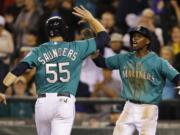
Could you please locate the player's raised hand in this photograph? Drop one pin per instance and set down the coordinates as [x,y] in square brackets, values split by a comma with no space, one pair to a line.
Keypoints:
[83,13]
[86,16]
[2,98]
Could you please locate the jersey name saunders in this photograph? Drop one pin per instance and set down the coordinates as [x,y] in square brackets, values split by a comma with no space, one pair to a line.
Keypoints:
[59,52]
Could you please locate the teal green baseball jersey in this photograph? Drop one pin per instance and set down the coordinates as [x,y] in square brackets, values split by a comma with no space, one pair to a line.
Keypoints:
[58,64]
[143,78]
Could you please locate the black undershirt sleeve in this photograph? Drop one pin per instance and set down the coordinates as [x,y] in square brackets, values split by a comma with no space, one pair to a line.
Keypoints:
[20,68]
[100,61]
[102,39]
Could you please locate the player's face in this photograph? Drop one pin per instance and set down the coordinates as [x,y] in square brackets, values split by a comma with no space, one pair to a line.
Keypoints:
[139,41]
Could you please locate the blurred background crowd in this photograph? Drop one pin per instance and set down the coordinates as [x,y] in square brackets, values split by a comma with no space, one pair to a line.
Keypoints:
[22,28]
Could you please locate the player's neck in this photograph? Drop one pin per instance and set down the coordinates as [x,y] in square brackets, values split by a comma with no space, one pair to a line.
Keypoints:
[142,53]
[56,39]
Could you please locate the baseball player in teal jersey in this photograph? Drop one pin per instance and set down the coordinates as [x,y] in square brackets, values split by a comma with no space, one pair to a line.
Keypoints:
[58,65]
[143,75]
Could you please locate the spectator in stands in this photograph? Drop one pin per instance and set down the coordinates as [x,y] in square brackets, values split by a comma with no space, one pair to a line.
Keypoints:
[6,49]
[129,6]
[6,41]
[175,39]
[169,12]
[116,43]
[108,87]
[50,8]
[131,20]
[90,73]
[147,20]
[26,21]
[108,21]
[94,122]
[20,87]
[67,4]
[176,5]
[175,44]
[157,6]
[21,109]
[168,91]
[12,12]
[116,47]
[30,39]
[93,75]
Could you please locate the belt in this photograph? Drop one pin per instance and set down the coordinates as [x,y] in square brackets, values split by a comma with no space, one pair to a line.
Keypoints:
[137,102]
[58,94]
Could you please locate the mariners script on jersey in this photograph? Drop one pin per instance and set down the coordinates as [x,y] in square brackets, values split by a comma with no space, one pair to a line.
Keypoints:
[58,64]
[143,78]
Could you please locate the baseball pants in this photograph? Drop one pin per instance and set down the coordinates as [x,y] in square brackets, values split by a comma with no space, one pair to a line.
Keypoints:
[54,115]
[142,117]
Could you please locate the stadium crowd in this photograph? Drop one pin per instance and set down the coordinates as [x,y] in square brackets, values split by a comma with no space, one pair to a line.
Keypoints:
[22,28]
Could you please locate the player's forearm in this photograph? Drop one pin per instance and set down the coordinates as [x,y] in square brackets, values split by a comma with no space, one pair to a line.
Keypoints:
[96,25]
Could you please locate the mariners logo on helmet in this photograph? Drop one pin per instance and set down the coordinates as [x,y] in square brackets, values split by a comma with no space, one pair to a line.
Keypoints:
[56,26]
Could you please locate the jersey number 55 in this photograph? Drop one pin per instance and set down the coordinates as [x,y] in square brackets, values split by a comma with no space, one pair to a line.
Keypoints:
[56,72]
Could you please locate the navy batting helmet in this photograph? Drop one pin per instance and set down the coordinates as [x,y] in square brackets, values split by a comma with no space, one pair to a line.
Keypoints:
[141,30]
[55,26]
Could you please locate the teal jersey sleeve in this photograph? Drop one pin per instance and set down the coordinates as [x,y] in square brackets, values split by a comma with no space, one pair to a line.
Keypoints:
[167,70]
[31,58]
[86,47]
[112,62]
